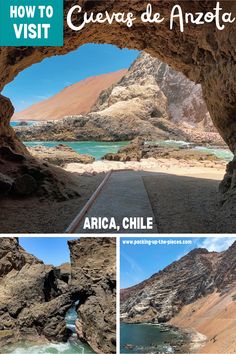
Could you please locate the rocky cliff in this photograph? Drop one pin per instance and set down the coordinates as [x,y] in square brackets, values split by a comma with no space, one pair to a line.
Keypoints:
[182,98]
[194,276]
[151,100]
[35,297]
[93,277]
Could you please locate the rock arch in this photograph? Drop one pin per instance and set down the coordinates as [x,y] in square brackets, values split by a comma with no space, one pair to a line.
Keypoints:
[202,53]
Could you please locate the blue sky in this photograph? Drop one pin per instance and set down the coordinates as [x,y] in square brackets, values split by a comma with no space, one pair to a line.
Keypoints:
[45,79]
[51,250]
[139,262]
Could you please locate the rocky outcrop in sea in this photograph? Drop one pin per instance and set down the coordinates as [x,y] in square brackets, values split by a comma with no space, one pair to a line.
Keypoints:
[138,149]
[60,155]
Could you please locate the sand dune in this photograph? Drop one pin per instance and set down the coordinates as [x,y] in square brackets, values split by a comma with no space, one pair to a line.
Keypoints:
[74,99]
[214,316]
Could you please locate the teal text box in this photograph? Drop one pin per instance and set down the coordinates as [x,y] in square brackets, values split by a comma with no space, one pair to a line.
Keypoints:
[29,22]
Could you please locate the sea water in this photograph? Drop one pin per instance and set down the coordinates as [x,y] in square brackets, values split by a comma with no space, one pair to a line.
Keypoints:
[18,123]
[97,149]
[73,346]
[224,154]
[147,338]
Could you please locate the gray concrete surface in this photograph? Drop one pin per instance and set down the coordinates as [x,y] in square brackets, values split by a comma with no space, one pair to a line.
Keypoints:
[123,196]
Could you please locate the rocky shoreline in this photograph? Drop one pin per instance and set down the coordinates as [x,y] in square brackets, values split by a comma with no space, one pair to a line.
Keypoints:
[188,341]
[138,149]
[59,155]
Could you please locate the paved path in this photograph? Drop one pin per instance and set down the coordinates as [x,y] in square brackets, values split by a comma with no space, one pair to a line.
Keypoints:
[124,195]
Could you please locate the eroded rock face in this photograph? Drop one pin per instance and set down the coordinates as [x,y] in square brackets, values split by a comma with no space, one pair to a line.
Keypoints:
[196,275]
[181,100]
[93,278]
[34,298]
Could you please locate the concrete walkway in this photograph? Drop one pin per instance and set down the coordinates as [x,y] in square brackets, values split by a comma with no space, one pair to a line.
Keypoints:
[123,196]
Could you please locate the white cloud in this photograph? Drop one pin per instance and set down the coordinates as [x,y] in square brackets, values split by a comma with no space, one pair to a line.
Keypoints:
[217,244]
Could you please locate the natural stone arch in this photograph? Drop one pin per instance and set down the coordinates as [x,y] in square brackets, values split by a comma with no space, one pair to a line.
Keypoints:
[203,53]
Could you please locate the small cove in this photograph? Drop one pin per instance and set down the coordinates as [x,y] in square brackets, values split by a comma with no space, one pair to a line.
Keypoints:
[150,338]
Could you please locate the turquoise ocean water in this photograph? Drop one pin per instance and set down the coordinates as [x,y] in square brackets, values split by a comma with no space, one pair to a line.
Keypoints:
[29,123]
[222,153]
[147,338]
[98,149]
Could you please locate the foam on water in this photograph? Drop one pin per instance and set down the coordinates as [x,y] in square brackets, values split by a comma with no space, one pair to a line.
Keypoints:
[73,346]
[64,348]
[59,348]
[224,154]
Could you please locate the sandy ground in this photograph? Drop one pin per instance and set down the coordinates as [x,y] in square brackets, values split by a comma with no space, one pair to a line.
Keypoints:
[34,216]
[179,204]
[213,316]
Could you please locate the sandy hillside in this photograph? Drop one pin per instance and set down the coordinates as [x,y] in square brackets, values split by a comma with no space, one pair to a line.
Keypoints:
[74,99]
[215,317]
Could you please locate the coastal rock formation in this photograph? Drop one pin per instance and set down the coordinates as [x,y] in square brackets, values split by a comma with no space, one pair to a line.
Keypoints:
[93,278]
[151,100]
[138,150]
[194,276]
[59,155]
[34,297]
[74,99]
[185,102]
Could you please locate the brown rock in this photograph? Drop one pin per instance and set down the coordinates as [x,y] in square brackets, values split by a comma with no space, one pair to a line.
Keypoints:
[94,279]
[163,295]
[34,297]
[25,185]
[60,155]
